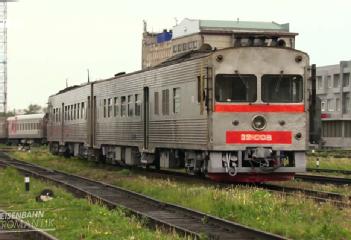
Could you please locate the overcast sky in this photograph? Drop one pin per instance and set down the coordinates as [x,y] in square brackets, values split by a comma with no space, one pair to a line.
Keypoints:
[51,41]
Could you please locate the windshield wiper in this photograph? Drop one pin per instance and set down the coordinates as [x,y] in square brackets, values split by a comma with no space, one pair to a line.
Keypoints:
[277,85]
[245,84]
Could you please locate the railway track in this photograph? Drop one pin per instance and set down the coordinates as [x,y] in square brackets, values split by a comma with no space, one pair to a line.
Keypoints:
[346,172]
[183,220]
[16,229]
[319,196]
[323,179]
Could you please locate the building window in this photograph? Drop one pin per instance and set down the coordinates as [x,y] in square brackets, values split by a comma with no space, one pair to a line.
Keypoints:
[190,45]
[319,82]
[176,100]
[329,81]
[165,102]
[185,47]
[347,128]
[337,104]
[109,110]
[331,128]
[175,47]
[195,44]
[179,47]
[123,106]
[130,105]
[330,105]
[137,105]
[156,100]
[105,108]
[323,106]
[346,79]
[336,80]
[346,103]
[115,107]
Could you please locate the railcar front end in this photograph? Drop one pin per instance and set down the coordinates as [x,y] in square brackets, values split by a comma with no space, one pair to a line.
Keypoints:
[260,114]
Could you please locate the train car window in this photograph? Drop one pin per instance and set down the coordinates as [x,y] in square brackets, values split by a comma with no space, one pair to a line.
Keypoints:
[165,102]
[115,107]
[78,110]
[65,117]
[104,108]
[69,113]
[176,100]
[59,113]
[123,106]
[282,88]
[72,112]
[82,113]
[156,100]
[236,88]
[137,105]
[130,105]
[109,110]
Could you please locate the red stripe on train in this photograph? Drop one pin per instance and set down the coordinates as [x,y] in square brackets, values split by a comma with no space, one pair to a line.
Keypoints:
[253,137]
[259,108]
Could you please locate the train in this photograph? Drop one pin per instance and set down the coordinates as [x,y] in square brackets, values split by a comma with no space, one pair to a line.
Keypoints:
[238,114]
[24,130]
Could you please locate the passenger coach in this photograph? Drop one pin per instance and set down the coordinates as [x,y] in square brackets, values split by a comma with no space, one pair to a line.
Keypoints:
[237,114]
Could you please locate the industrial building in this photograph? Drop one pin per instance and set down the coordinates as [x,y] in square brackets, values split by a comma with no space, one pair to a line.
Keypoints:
[333,88]
[192,34]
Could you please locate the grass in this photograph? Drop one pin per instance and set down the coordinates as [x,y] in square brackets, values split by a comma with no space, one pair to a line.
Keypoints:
[329,162]
[72,218]
[292,216]
[341,189]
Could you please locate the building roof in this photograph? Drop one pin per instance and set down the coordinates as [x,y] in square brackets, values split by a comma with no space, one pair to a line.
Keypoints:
[244,25]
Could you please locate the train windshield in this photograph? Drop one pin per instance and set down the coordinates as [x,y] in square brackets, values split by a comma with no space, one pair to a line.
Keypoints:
[236,88]
[282,88]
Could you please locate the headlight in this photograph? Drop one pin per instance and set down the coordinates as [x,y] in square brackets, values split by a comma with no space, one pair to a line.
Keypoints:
[259,123]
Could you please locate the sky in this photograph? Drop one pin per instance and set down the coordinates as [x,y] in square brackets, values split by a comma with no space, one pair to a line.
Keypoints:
[51,42]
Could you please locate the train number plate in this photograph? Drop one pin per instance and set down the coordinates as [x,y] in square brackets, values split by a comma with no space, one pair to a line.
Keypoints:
[247,137]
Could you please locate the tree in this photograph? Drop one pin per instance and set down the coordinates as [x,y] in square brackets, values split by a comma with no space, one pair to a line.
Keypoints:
[32,108]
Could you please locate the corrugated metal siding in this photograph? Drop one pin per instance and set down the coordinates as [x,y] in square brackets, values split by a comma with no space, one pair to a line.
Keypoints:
[74,130]
[183,130]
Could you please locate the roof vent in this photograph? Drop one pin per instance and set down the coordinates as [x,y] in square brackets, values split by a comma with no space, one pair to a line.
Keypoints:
[119,74]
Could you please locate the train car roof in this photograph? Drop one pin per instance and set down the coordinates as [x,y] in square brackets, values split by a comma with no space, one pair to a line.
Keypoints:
[182,57]
[27,116]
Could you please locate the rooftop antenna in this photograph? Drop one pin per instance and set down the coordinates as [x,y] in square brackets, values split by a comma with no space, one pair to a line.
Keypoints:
[145,25]
[176,20]
[88,75]
[66,82]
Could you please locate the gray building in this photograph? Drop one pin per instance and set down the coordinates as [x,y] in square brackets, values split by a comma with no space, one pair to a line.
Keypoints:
[191,34]
[334,89]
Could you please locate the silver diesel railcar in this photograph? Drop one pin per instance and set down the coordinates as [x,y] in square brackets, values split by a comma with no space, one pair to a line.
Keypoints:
[237,114]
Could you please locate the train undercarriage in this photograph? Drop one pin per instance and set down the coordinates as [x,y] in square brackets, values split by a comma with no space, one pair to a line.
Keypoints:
[255,164]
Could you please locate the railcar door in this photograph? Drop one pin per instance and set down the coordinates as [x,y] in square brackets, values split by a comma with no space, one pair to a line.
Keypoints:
[62,123]
[146,117]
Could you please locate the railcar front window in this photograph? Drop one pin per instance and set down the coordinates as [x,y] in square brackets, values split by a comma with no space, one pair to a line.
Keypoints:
[236,88]
[282,88]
